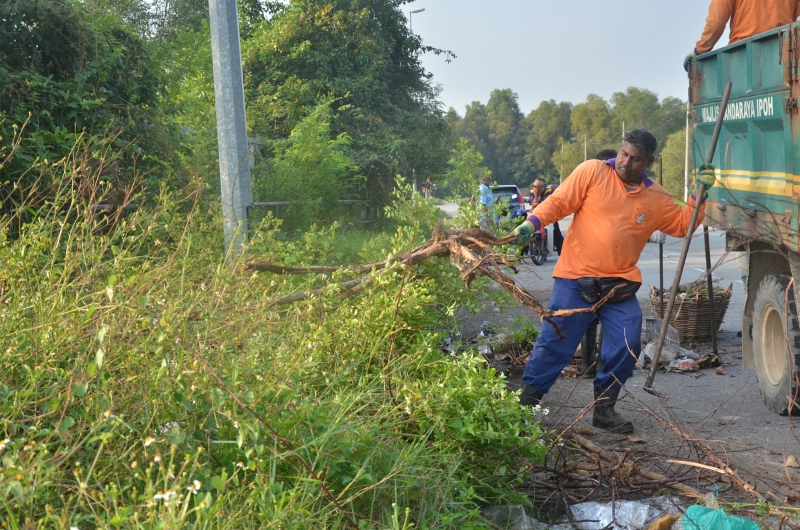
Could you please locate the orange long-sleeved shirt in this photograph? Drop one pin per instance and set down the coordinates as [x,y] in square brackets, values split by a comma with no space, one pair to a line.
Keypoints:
[611,224]
[748,18]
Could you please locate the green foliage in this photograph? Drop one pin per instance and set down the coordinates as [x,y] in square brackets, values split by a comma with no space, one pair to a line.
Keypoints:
[64,73]
[463,180]
[495,130]
[674,155]
[546,127]
[361,54]
[309,168]
[504,119]
[145,382]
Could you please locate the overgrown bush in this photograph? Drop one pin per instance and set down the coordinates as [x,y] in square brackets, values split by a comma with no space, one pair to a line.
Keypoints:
[309,169]
[64,74]
[147,382]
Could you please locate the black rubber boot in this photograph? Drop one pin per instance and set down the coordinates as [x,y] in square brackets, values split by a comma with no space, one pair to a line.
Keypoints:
[589,352]
[605,417]
[530,396]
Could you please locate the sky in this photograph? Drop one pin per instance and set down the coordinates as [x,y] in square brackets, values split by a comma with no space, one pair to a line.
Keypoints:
[558,49]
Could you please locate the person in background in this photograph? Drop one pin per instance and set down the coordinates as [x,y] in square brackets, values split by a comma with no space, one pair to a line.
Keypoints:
[747,18]
[539,193]
[616,208]
[486,201]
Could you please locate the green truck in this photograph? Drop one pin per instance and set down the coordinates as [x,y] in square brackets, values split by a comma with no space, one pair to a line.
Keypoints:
[757,199]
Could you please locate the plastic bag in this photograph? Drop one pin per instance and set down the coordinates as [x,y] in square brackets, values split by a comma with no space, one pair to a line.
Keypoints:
[625,515]
[701,518]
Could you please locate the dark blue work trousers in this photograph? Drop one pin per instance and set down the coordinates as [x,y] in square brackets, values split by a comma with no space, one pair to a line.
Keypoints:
[622,339]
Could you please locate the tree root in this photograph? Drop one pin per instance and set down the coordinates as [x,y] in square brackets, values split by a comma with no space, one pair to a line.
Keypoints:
[470,251]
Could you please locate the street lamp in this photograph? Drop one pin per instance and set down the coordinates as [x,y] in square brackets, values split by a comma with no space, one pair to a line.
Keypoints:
[418,10]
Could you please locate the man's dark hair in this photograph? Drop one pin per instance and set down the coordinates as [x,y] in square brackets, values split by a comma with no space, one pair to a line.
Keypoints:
[642,139]
[543,181]
[605,154]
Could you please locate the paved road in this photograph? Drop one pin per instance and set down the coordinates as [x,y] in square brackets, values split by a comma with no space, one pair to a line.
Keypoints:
[725,409]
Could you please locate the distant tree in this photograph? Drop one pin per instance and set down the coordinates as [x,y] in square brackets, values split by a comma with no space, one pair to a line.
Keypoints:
[544,127]
[503,118]
[637,107]
[591,123]
[474,127]
[674,155]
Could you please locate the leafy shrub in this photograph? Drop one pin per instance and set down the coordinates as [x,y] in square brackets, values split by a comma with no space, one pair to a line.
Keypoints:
[309,169]
[64,74]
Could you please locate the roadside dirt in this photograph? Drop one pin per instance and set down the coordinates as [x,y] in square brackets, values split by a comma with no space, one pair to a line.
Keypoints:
[722,412]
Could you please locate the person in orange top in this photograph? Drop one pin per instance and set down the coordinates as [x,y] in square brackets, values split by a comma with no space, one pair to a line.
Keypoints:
[747,17]
[616,208]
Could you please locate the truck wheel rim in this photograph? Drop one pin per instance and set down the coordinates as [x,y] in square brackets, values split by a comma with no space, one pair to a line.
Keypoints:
[773,346]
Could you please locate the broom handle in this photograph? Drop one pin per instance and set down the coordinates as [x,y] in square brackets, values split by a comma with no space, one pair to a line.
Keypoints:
[687,241]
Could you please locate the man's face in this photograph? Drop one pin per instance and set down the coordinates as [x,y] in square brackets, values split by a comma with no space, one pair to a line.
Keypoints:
[487,181]
[538,188]
[632,163]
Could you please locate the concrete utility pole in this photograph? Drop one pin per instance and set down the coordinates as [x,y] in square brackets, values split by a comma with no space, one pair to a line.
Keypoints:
[585,147]
[234,168]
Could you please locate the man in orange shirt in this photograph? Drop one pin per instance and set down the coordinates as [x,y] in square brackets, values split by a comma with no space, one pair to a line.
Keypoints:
[747,17]
[616,208]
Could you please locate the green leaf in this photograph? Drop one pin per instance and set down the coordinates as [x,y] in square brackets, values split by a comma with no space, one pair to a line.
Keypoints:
[143,300]
[80,390]
[91,369]
[219,482]
[101,334]
[66,424]
[98,357]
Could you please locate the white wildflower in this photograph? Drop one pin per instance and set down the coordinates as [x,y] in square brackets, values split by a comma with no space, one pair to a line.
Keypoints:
[195,487]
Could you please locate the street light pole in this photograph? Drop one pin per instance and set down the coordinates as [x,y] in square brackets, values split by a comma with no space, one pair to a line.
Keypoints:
[234,167]
[410,25]
[411,30]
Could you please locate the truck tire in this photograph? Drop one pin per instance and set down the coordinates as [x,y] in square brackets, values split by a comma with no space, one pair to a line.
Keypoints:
[776,343]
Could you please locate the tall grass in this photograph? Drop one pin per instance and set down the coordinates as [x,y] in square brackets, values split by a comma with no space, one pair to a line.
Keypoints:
[145,381]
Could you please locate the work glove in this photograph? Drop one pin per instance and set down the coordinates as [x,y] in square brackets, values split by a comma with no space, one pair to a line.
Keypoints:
[524,232]
[706,175]
[688,58]
[657,237]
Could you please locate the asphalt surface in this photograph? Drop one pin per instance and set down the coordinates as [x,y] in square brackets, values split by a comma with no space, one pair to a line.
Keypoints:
[725,411]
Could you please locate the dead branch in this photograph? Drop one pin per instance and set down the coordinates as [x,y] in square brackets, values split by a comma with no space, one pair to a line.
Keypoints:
[702,448]
[646,473]
[470,251]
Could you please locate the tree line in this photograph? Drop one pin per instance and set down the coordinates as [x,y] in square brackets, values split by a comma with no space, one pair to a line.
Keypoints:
[551,140]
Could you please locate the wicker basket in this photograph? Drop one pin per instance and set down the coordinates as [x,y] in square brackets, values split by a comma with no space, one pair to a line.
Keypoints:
[691,315]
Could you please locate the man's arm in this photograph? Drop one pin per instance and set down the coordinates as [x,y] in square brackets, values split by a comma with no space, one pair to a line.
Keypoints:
[675,220]
[567,198]
[719,12]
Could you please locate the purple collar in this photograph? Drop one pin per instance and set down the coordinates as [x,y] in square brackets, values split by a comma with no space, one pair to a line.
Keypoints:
[645,177]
